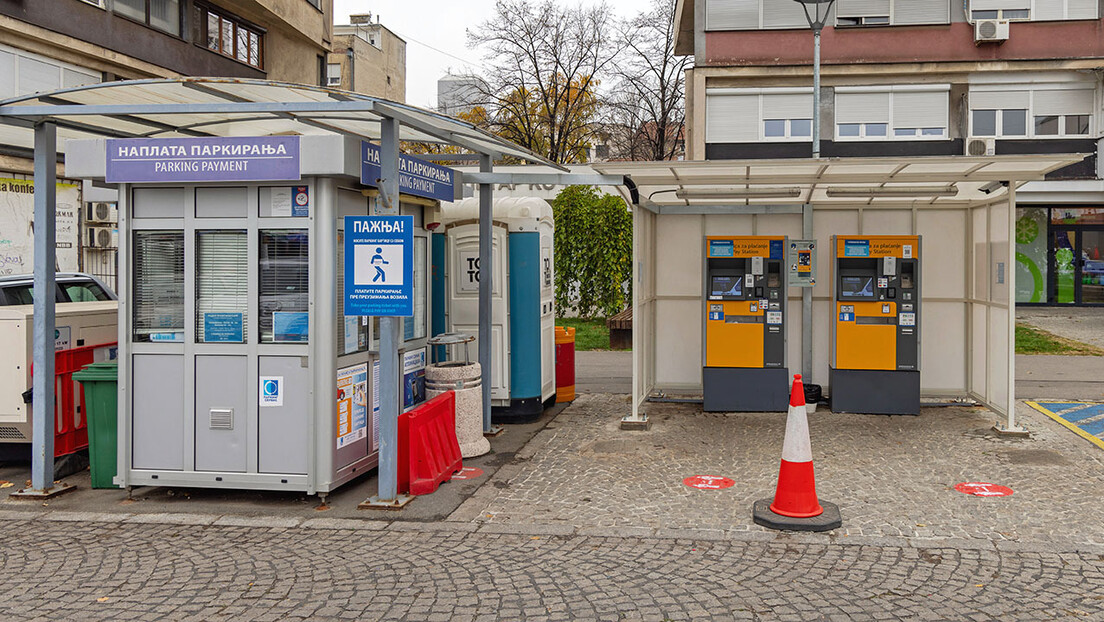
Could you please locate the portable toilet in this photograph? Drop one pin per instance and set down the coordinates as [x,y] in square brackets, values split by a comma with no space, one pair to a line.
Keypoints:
[522,374]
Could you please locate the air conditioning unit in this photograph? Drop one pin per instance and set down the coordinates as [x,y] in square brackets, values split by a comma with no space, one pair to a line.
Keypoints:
[100,237]
[100,212]
[990,30]
[981,146]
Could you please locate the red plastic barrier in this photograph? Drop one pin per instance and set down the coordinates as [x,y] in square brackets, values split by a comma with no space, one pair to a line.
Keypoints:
[428,450]
[70,422]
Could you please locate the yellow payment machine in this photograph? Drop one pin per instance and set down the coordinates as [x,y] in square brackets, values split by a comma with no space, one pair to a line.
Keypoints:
[875,343]
[744,358]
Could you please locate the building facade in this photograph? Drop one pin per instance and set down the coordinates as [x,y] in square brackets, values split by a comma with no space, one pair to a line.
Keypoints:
[905,78]
[368,58]
[51,44]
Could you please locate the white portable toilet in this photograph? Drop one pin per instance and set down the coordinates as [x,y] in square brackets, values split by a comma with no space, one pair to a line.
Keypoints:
[522,374]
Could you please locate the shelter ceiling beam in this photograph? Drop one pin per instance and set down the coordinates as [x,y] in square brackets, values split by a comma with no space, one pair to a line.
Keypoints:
[115,110]
[559,179]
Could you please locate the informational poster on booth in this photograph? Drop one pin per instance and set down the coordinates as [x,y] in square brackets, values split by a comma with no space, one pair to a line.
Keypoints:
[352,404]
[801,259]
[414,364]
[375,405]
[379,266]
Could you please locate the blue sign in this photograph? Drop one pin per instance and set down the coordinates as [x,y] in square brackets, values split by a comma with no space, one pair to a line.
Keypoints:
[290,325]
[716,315]
[222,327]
[847,317]
[416,177]
[226,158]
[776,249]
[856,248]
[720,248]
[300,201]
[379,265]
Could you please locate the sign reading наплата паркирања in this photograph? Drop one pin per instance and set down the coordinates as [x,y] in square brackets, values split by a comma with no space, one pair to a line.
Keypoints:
[218,158]
[416,177]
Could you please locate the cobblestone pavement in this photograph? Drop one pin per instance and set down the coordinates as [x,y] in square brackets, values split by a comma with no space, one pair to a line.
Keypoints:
[62,569]
[891,476]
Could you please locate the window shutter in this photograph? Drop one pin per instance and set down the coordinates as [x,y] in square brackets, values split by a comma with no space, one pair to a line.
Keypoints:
[222,282]
[732,14]
[783,14]
[7,75]
[158,283]
[731,118]
[996,5]
[1058,102]
[36,76]
[788,106]
[998,100]
[921,12]
[862,107]
[1049,10]
[1081,9]
[71,78]
[862,8]
[920,110]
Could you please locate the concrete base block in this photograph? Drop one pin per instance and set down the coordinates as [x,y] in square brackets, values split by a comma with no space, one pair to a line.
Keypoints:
[641,425]
[30,494]
[374,503]
[1006,432]
[828,520]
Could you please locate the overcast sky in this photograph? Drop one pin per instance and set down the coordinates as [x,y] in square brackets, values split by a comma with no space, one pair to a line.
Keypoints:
[435,35]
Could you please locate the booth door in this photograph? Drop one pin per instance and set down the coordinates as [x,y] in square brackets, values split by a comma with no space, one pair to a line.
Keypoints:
[463,301]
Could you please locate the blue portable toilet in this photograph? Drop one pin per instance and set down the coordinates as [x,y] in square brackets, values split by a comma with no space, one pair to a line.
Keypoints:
[522,375]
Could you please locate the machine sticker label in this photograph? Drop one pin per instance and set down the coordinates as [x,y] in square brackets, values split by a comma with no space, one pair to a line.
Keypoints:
[763,304]
[720,248]
[468,473]
[271,391]
[983,489]
[379,258]
[716,315]
[774,317]
[300,201]
[847,308]
[777,249]
[216,158]
[417,177]
[907,319]
[906,251]
[883,282]
[352,404]
[885,308]
[708,482]
[62,338]
[856,248]
[754,307]
[846,317]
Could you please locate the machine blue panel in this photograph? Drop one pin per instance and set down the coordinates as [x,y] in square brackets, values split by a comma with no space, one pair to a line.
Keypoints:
[525,355]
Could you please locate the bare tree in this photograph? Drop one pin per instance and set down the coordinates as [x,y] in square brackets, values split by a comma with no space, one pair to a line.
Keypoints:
[647,106]
[543,67]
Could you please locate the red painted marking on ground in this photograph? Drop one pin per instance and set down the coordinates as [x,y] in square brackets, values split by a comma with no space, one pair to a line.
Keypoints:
[708,482]
[983,489]
[468,473]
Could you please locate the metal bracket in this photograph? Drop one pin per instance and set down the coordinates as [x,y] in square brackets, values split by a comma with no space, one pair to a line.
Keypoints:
[30,494]
[375,503]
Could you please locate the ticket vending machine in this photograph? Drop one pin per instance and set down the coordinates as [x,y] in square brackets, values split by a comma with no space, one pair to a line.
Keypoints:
[744,358]
[875,341]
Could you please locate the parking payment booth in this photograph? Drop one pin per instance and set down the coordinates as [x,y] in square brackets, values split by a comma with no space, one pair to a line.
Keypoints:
[875,339]
[744,326]
[522,377]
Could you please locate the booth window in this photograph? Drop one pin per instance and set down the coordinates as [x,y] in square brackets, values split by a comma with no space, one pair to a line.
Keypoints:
[158,286]
[284,291]
[352,331]
[222,285]
[415,327]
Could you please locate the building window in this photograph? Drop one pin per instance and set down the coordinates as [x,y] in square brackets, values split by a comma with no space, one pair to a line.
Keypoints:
[886,113]
[891,12]
[333,74]
[160,14]
[230,37]
[316,4]
[1040,113]
[752,115]
[1006,14]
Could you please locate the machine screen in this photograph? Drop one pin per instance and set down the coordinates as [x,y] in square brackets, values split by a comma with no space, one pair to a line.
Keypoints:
[857,287]
[727,286]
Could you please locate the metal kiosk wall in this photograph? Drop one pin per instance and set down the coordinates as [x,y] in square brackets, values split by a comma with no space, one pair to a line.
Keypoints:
[875,365]
[237,368]
[744,367]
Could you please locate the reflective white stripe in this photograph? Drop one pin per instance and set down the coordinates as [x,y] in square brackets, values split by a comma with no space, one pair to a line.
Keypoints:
[796,447]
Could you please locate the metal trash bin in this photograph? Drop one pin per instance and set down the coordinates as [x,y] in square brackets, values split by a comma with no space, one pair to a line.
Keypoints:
[101,393]
[466,379]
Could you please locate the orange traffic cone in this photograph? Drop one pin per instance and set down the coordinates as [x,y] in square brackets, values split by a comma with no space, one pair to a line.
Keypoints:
[795,505]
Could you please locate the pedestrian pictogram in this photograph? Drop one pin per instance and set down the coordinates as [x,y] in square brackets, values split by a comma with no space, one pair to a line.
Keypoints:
[983,489]
[468,473]
[708,482]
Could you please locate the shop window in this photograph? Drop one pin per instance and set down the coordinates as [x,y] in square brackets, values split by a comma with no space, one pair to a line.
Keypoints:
[160,14]
[284,286]
[158,300]
[229,36]
[222,286]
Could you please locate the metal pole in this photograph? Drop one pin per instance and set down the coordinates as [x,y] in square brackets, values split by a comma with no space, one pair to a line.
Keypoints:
[486,285]
[45,178]
[389,339]
[816,92]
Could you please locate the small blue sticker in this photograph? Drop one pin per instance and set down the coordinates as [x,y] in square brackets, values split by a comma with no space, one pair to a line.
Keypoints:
[716,315]
[856,248]
[720,248]
[847,317]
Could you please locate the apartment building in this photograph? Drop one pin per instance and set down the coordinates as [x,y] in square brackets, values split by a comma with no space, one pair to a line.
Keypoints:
[51,44]
[368,58]
[906,78]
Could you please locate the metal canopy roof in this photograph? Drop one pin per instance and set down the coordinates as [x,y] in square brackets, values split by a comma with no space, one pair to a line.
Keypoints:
[187,107]
[879,182]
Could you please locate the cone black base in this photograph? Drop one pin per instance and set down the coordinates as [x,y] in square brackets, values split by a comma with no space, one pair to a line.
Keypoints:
[828,520]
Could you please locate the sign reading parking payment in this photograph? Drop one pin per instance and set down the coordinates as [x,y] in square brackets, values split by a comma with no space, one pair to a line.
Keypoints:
[379,265]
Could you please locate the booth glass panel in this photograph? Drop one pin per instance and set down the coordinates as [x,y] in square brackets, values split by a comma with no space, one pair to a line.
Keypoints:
[1064,245]
[352,331]
[1092,266]
[158,286]
[222,284]
[415,327]
[284,286]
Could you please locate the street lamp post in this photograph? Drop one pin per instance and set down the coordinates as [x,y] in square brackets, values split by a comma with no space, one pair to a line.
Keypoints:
[816,19]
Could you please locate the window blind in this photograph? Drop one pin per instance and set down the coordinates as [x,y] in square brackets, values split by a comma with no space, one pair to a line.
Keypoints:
[158,285]
[862,107]
[732,14]
[222,282]
[1057,102]
[1081,9]
[36,76]
[783,14]
[999,100]
[919,110]
[284,272]
[862,8]
[731,118]
[921,12]
[788,106]
[996,5]
[7,75]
